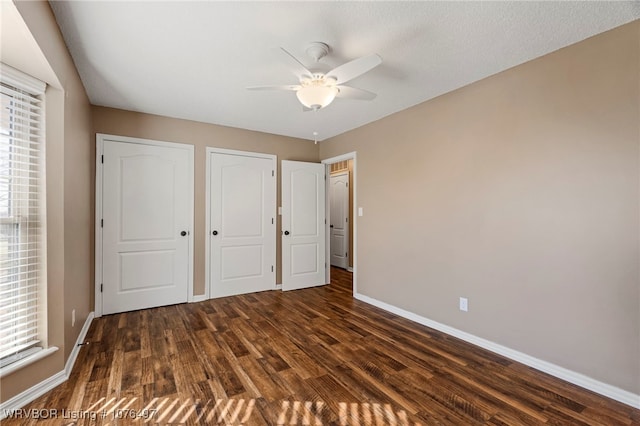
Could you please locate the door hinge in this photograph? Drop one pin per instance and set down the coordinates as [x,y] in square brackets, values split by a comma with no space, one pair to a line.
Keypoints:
[347,184]
[102,159]
[101,287]
[272,221]
[101,223]
[273,173]
[346,220]
[271,268]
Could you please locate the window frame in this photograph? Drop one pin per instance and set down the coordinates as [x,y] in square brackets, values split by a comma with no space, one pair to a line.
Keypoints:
[19,85]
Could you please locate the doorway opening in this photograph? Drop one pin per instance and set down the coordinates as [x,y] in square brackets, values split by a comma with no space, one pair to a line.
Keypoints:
[341,227]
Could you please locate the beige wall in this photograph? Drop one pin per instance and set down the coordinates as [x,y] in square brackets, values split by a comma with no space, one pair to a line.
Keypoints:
[521,193]
[79,205]
[69,196]
[202,135]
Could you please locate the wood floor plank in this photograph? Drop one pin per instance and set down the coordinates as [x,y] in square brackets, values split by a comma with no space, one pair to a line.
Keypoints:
[226,376]
[306,357]
[335,396]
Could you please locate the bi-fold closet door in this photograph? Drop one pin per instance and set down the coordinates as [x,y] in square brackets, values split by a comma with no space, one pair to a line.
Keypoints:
[241,222]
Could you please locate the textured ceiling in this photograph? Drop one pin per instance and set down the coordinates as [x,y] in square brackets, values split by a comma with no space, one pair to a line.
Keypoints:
[193,60]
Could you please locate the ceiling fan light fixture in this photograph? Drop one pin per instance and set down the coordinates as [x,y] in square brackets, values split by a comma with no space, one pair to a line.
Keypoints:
[318,88]
[315,96]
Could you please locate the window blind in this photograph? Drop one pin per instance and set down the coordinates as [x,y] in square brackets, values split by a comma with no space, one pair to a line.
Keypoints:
[22,230]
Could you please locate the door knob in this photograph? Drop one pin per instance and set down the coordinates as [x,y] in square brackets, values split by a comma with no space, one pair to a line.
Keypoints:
[286,232]
[215,232]
[330,226]
[183,233]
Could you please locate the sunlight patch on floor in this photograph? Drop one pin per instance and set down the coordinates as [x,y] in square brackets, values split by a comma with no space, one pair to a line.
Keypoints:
[175,411]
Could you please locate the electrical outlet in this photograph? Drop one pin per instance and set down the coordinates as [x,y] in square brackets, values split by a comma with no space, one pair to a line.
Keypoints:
[464,304]
[73,317]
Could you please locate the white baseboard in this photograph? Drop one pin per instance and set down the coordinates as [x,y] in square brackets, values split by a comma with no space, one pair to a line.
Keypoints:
[350,269]
[570,376]
[76,349]
[278,286]
[31,394]
[46,385]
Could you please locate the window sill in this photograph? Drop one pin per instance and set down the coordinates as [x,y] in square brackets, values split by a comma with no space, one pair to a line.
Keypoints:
[14,366]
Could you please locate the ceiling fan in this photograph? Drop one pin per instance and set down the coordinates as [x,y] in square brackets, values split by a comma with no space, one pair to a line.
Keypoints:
[317,89]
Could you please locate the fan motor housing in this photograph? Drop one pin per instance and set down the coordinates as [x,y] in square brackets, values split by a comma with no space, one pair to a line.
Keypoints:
[318,50]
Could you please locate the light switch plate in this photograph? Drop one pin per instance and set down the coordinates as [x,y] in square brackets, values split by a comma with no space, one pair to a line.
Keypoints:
[464,304]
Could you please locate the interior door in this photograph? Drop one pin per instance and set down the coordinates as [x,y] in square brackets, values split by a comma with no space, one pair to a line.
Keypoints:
[147,217]
[242,236]
[339,219]
[303,225]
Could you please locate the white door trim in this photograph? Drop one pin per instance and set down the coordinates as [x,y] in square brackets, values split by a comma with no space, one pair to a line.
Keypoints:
[354,217]
[100,139]
[207,246]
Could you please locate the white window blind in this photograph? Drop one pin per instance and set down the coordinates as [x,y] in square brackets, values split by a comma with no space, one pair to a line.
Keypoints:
[22,219]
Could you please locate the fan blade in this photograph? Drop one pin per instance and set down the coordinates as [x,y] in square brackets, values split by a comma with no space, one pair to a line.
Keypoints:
[349,92]
[296,66]
[355,68]
[287,87]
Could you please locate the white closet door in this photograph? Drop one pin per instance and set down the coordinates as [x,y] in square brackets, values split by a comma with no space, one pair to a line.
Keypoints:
[147,192]
[242,224]
[303,225]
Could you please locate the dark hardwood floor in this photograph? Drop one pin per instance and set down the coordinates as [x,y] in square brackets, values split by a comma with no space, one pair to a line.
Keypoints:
[306,357]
